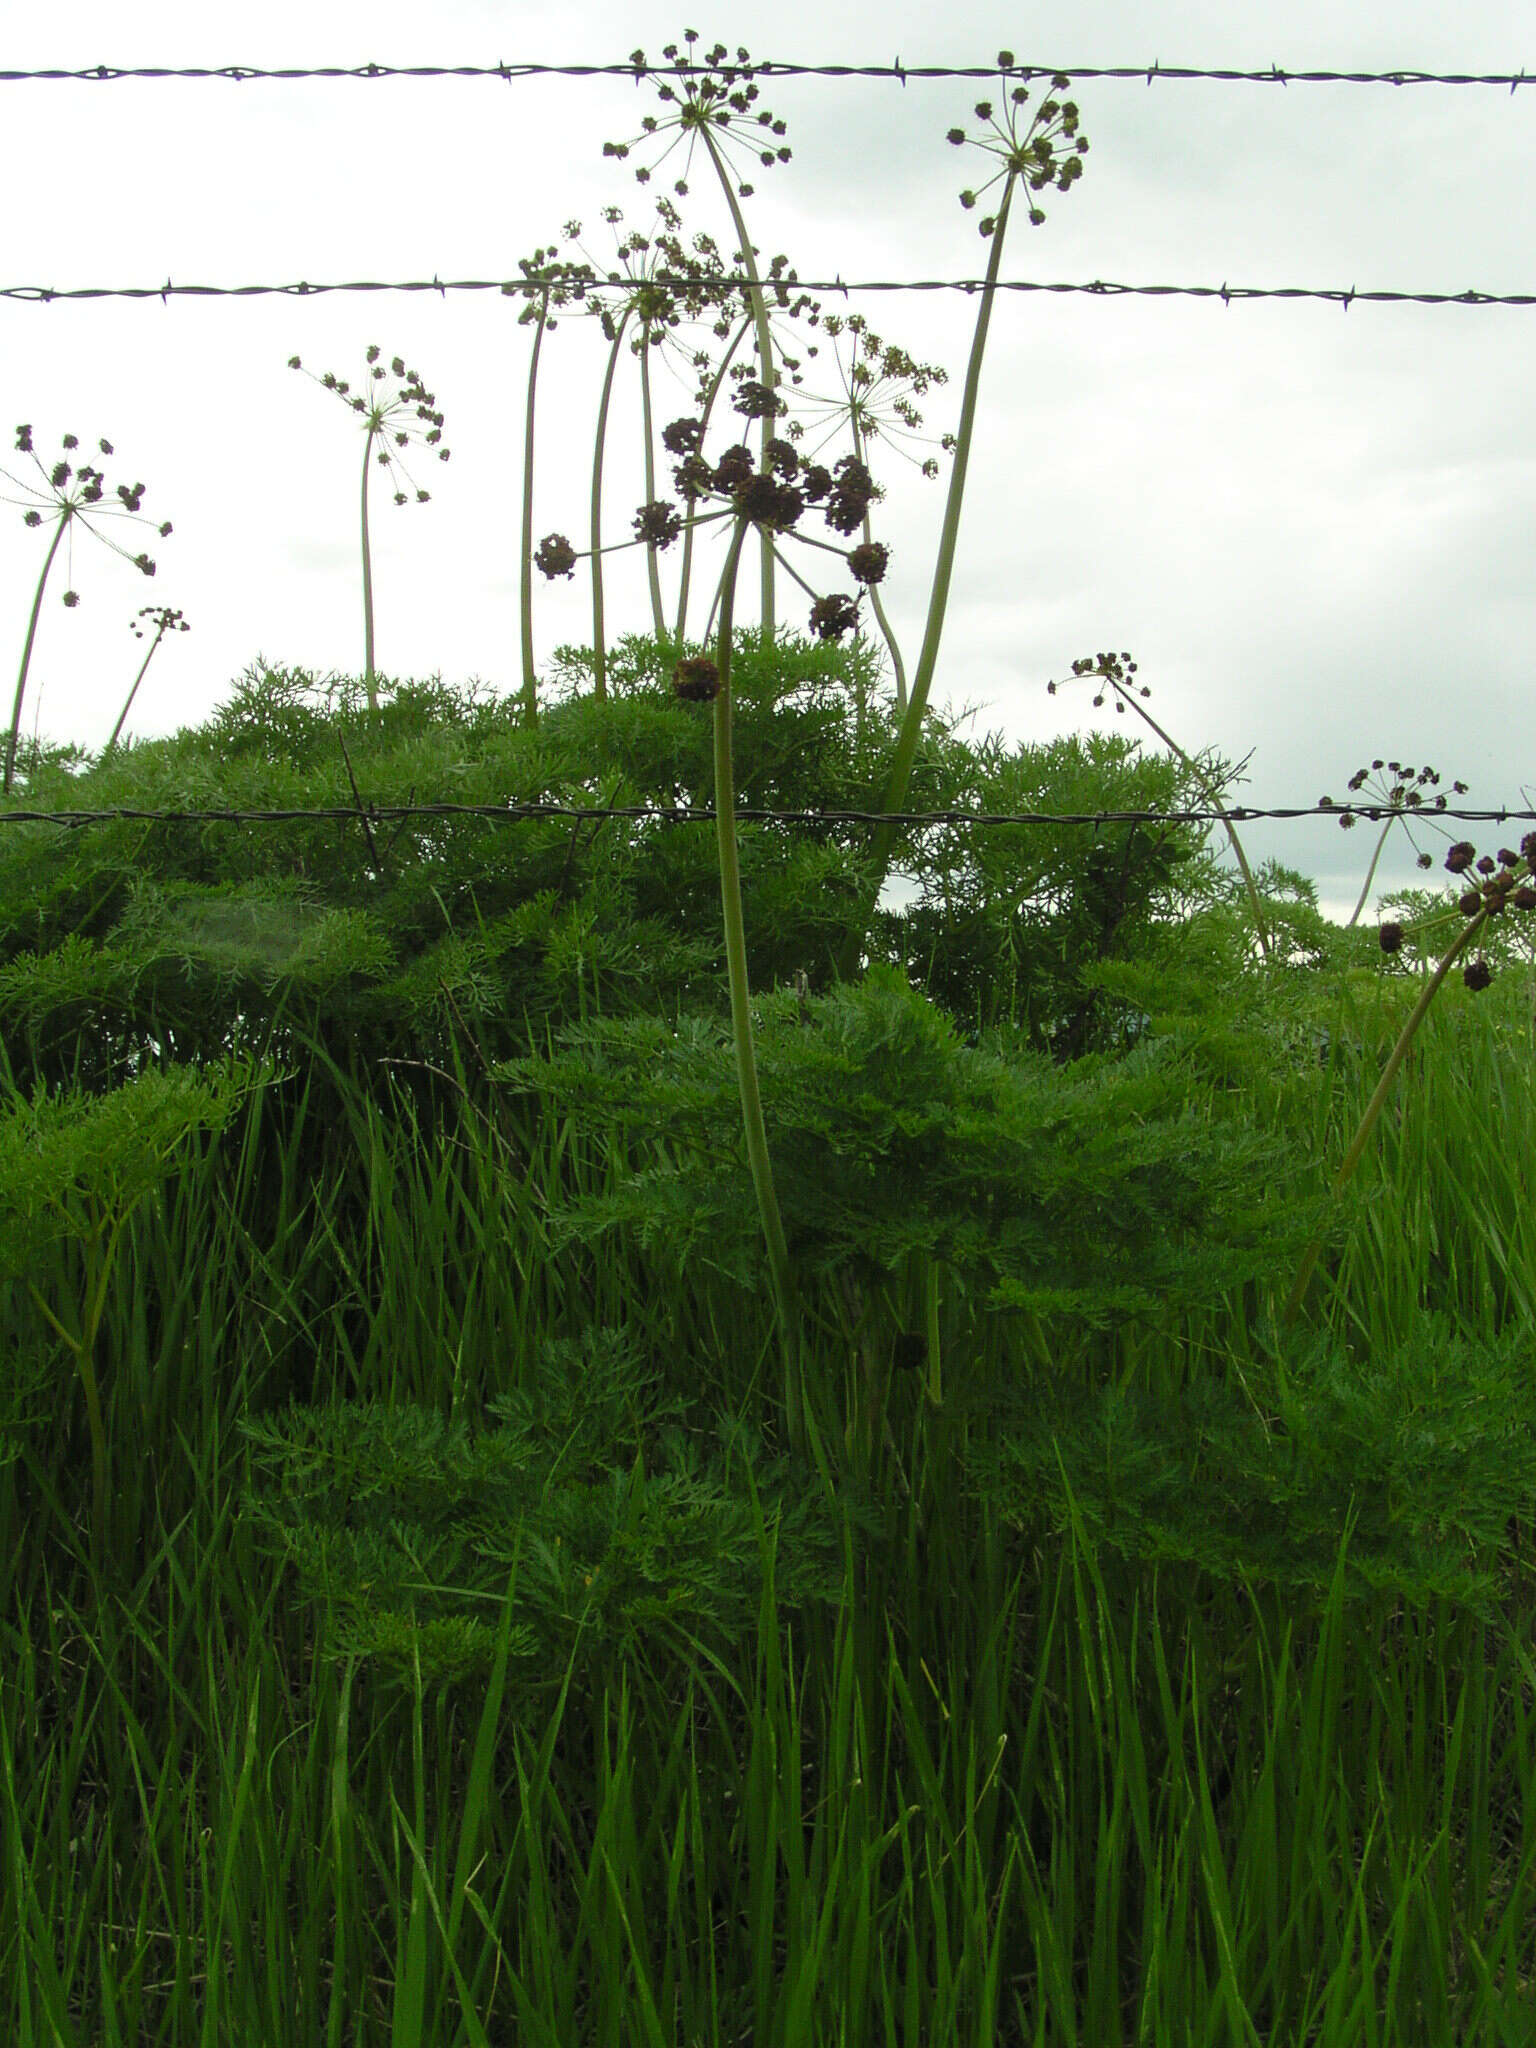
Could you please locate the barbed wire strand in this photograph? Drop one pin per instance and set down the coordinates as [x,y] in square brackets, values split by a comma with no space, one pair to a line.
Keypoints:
[1096,288]
[1274,75]
[692,814]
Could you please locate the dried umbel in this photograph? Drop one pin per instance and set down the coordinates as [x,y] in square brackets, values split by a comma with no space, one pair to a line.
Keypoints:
[696,679]
[555,556]
[714,97]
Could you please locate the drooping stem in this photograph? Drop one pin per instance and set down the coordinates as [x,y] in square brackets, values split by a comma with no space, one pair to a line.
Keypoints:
[708,408]
[736,967]
[764,349]
[599,643]
[373,695]
[112,742]
[938,599]
[26,652]
[653,570]
[1377,1103]
[1369,876]
[874,590]
[1214,799]
[530,685]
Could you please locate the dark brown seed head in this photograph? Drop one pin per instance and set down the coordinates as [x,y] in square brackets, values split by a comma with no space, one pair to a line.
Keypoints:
[555,556]
[867,564]
[1470,904]
[734,467]
[696,680]
[1477,973]
[1391,937]
[681,437]
[832,617]
[1460,857]
[658,523]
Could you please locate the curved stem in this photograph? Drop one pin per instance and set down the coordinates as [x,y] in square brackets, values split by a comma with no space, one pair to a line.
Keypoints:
[764,349]
[1216,804]
[26,652]
[938,599]
[652,567]
[1377,1103]
[530,686]
[741,1009]
[1370,874]
[708,407]
[373,695]
[112,742]
[874,591]
[599,643]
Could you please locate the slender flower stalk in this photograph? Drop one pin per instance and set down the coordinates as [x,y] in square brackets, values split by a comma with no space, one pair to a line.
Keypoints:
[1035,158]
[550,285]
[385,423]
[166,620]
[599,639]
[1502,888]
[70,494]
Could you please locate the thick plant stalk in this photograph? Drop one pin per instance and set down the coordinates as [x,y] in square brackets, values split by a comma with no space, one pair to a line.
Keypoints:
[938,599]
[368,684]
[708,408]
[599,642]
[741,1009]
[652,566]
[764,349]
[884,623]
[128,702]
[26,652]
[530,684]
[1377,1103]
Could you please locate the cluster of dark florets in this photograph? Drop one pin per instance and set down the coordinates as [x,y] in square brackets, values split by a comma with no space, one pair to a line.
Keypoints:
[696,679]
[1405,793]
[832,617]
[1114,669]
[851,493]
[658,523]
[554,556]
[1501,888]
[754,401]
[867,564]
[682,437]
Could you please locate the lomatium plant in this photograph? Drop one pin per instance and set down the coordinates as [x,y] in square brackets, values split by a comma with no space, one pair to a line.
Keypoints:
[551,282]
[390,424]
[1404,795]
[1033,151]
[166,620]
[714,106]
[877,383]
[70,495]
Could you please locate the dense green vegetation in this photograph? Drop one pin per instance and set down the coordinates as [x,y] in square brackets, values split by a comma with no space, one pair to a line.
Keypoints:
[422,1623]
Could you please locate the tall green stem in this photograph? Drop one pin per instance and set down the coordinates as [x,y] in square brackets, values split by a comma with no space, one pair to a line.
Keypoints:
[1377,1103]
[112,742]
[652,567]
[764,350]
[599,643]
[530,685]
[26,652]
[874,591]
[373,695]
[741,1010]
[927,660]
[709,405]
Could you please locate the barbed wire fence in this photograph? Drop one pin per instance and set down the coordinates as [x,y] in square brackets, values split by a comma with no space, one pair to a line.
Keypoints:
[637,69]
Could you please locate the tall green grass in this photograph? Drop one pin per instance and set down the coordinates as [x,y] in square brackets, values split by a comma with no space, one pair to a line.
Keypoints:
[1005,1787]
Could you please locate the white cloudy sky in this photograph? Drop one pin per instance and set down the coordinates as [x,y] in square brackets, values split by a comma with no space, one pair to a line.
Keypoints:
[1313,529]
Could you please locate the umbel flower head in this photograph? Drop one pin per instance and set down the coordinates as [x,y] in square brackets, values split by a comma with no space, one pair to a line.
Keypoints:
[1404,794]
[166,620]
[1043,149]
[877,383]
[711,94]
[70,493]
[1502,886]
[395,419]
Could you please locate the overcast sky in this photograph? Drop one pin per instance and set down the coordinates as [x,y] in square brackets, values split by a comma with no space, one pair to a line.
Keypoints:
[1313,529]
